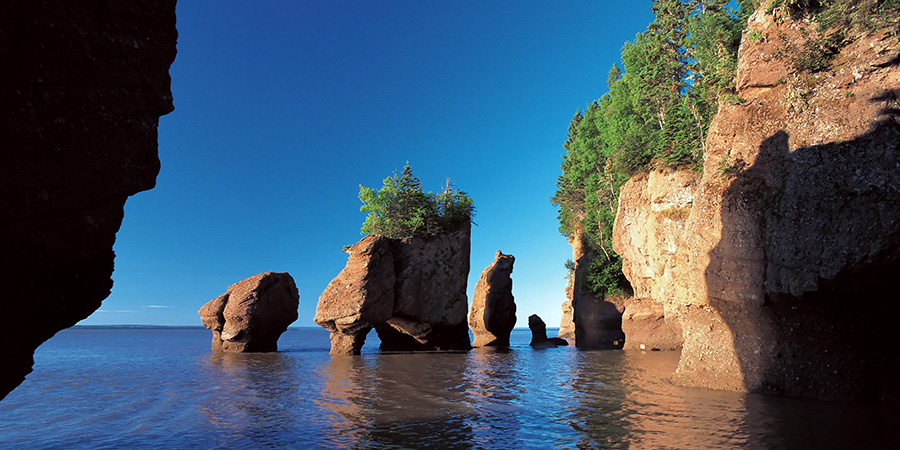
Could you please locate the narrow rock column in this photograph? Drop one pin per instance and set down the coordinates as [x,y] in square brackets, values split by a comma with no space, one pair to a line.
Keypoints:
[493,313]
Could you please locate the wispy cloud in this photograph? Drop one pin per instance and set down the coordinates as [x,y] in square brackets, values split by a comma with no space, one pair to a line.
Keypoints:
[157,306]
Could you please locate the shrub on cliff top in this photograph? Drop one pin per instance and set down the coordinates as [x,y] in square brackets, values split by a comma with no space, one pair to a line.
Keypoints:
[400,209]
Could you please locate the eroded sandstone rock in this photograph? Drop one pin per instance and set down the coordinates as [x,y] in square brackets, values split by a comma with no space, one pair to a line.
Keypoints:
[493,313]
[782,279]
[252,314]
[83,86]
[411,291]
[539,337]
[597,322]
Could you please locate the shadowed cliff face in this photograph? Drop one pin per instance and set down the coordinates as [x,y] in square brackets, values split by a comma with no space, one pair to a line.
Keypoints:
[84,84]
[781,278]
[813,238]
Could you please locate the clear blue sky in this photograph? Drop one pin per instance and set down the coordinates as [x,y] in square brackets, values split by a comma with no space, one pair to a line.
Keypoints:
[283,108]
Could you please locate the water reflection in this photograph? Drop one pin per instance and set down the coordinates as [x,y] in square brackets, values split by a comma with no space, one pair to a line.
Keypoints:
[398,400]
[251,396]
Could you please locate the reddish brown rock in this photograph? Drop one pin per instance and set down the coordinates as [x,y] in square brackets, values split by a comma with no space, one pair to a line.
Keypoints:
[493,313]
[782,279]
[252,314]
[83,86]
[412,291]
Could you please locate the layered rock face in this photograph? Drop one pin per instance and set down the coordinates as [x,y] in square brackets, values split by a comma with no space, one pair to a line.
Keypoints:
[412,291]
[252,314]
[597,323]
[781,277]
[493,313]
[648,231]
[84,84]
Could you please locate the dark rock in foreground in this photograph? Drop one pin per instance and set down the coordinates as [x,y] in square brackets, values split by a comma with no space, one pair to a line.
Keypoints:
[83,86]
[411,291]
[252,314]
[539,334]
[493,313]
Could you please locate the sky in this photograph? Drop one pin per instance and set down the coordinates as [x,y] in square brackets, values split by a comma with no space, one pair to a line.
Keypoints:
[284,108]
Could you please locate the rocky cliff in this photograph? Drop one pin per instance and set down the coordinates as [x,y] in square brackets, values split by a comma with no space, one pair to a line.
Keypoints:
[411,291]
[777,264]
[83,86]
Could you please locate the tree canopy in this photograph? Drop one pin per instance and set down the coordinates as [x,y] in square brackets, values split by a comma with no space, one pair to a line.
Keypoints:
[656,114]
[400,209]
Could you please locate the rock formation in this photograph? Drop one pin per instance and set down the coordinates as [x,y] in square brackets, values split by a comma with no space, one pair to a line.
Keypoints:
[539,334]
[84,84]
[252,314]
[493,313]
[781,272]
[597,322]
[649,229]
[411,291]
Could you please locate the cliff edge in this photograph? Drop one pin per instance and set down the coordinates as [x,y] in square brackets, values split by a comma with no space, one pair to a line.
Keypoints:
[780,272]
[83,87]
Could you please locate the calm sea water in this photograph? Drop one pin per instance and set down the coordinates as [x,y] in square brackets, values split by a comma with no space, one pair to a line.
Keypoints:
[163,388]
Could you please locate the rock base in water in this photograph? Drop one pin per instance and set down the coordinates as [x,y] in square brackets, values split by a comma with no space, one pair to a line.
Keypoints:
[252,314]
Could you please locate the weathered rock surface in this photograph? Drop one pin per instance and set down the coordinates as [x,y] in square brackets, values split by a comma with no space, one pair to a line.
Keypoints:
[493,313]
[648,231]
[782,276]
[252,314]
[539,337]
[597,322]
[83,86]
[412,291]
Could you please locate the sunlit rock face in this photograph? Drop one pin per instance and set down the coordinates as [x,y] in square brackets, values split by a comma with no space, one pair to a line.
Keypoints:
[648,231]
[252,314]
[84,83]
[411,291]
[493,313]
[781,277]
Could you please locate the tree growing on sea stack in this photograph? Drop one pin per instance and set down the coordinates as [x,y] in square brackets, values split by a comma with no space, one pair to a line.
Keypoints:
[407,278]
[400,209]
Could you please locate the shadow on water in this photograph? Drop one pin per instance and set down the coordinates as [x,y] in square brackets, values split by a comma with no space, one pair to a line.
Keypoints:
[804,276]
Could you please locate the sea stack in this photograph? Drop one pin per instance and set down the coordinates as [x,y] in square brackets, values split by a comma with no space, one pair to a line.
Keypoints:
[412,291]
[493,313]
[539,334]
[252,314]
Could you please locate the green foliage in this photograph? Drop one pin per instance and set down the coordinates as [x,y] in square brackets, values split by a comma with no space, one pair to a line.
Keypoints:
[837,21]
[400,209]
[657,112]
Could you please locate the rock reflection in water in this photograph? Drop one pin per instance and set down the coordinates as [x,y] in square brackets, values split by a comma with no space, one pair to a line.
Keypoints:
[252,396]
[411,400]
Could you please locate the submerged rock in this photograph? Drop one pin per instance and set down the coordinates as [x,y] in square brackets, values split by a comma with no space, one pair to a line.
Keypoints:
[411,291]
[252,314]
[83,87]
[539,334]
[493,313]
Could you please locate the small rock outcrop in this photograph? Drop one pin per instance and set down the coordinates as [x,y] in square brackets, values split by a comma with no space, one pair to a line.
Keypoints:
[493,313]
[539,337]
[411,291]
[252,314]
[83,87]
